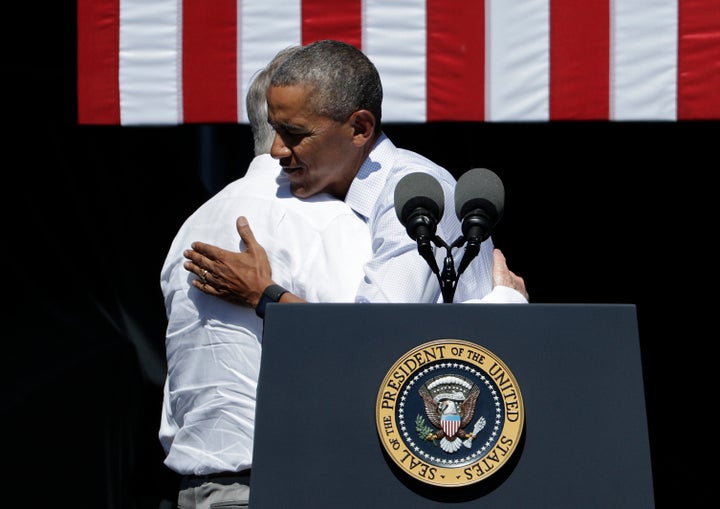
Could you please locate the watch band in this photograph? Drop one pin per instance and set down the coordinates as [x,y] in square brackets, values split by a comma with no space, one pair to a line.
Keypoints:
[271,294]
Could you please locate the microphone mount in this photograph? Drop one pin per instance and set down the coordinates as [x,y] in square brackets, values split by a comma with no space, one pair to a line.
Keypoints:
[449,277]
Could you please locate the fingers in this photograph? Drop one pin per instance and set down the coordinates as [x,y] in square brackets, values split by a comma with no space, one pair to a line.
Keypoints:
[205,287]
[197,263]
[246,234]
[201,261]
[193,265]
[194,255]
[500,268]
[207,250]
[204,256]
[502,276]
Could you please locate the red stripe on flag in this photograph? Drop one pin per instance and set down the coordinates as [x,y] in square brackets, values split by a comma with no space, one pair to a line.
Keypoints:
[579,60]
[455,60]
[209,61]
[98,42]
[332,19]
[698,86]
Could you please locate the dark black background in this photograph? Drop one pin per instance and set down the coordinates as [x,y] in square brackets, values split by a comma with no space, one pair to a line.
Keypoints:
[595,212]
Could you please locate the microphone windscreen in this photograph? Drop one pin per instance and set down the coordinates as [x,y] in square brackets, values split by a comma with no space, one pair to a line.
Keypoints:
[480,188]
[419,190]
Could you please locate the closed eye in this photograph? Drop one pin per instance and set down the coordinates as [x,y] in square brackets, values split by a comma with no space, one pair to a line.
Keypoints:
[291,135]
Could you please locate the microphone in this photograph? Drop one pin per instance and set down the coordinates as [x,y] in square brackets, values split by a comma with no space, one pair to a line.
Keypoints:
[419,205]
[479,202]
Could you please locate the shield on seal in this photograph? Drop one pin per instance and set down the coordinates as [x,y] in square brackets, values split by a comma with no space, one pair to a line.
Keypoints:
[450,424]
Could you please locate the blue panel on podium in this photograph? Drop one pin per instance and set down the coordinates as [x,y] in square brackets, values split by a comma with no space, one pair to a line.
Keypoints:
[578,366]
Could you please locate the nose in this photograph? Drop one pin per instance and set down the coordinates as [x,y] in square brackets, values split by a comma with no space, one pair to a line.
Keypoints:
[278,149]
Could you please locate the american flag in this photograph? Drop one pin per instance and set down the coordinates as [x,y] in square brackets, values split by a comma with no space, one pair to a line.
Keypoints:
[170,62]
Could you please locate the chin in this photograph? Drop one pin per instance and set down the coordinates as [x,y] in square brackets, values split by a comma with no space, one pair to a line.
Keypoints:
[299,192]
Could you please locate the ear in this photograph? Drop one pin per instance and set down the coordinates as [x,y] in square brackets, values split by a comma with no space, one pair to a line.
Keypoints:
[363,124]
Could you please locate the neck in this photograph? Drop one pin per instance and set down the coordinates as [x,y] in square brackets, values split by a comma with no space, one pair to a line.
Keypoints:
[359,160]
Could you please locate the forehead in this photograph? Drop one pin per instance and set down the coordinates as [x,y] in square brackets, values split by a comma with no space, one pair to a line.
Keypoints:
[290,104]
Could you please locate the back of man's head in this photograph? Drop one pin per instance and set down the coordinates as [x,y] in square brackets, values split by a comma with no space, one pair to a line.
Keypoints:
[256,102]
[342,77]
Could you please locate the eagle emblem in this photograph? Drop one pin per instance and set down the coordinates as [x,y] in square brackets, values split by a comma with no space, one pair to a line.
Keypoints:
[449,406]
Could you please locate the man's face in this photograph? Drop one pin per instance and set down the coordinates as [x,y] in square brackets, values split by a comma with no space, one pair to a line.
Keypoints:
[316,152]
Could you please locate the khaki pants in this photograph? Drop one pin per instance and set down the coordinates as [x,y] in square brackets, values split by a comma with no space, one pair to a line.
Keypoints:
[215,491]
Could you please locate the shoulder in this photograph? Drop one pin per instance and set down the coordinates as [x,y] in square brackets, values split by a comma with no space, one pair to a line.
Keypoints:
[261,165]
[396,162]
[409,162]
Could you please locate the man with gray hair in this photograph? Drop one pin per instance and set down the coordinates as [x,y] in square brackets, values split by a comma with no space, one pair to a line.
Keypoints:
[213,347]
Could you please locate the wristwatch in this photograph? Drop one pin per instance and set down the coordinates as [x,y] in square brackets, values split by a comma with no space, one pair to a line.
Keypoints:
[271,294]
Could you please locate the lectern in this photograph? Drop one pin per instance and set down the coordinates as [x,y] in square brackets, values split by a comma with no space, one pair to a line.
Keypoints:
[584,442]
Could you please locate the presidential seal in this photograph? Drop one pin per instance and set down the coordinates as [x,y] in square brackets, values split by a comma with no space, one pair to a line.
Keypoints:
[449,413]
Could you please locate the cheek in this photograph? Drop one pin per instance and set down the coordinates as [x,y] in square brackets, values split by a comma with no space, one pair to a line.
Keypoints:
[325,156]
[319,157]
[333,155]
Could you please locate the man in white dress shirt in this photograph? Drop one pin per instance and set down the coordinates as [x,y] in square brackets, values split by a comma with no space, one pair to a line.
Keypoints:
[317,247]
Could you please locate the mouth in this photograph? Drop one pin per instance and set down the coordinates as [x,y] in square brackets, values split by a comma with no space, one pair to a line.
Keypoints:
[290,170]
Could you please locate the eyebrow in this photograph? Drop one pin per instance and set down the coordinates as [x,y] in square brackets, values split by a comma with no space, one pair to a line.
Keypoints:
[288,126]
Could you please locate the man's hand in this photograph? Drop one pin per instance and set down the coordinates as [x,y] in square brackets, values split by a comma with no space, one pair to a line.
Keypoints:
[239,278]
[502,276]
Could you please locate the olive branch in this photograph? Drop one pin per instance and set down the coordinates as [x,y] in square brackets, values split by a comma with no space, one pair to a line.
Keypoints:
[423,430]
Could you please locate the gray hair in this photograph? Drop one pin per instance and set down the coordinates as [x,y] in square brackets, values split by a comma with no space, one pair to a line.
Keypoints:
[256,102]
[342,77]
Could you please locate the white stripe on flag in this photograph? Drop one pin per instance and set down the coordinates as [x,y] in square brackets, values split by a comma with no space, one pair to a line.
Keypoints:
[394,38]
[150,59]
[644,60]
[517,60]
[265,27]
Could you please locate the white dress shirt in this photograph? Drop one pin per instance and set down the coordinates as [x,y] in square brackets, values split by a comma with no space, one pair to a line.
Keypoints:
[397,272]
[317,248]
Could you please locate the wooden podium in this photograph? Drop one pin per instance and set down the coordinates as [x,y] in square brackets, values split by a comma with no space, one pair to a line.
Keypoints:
[585,441]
